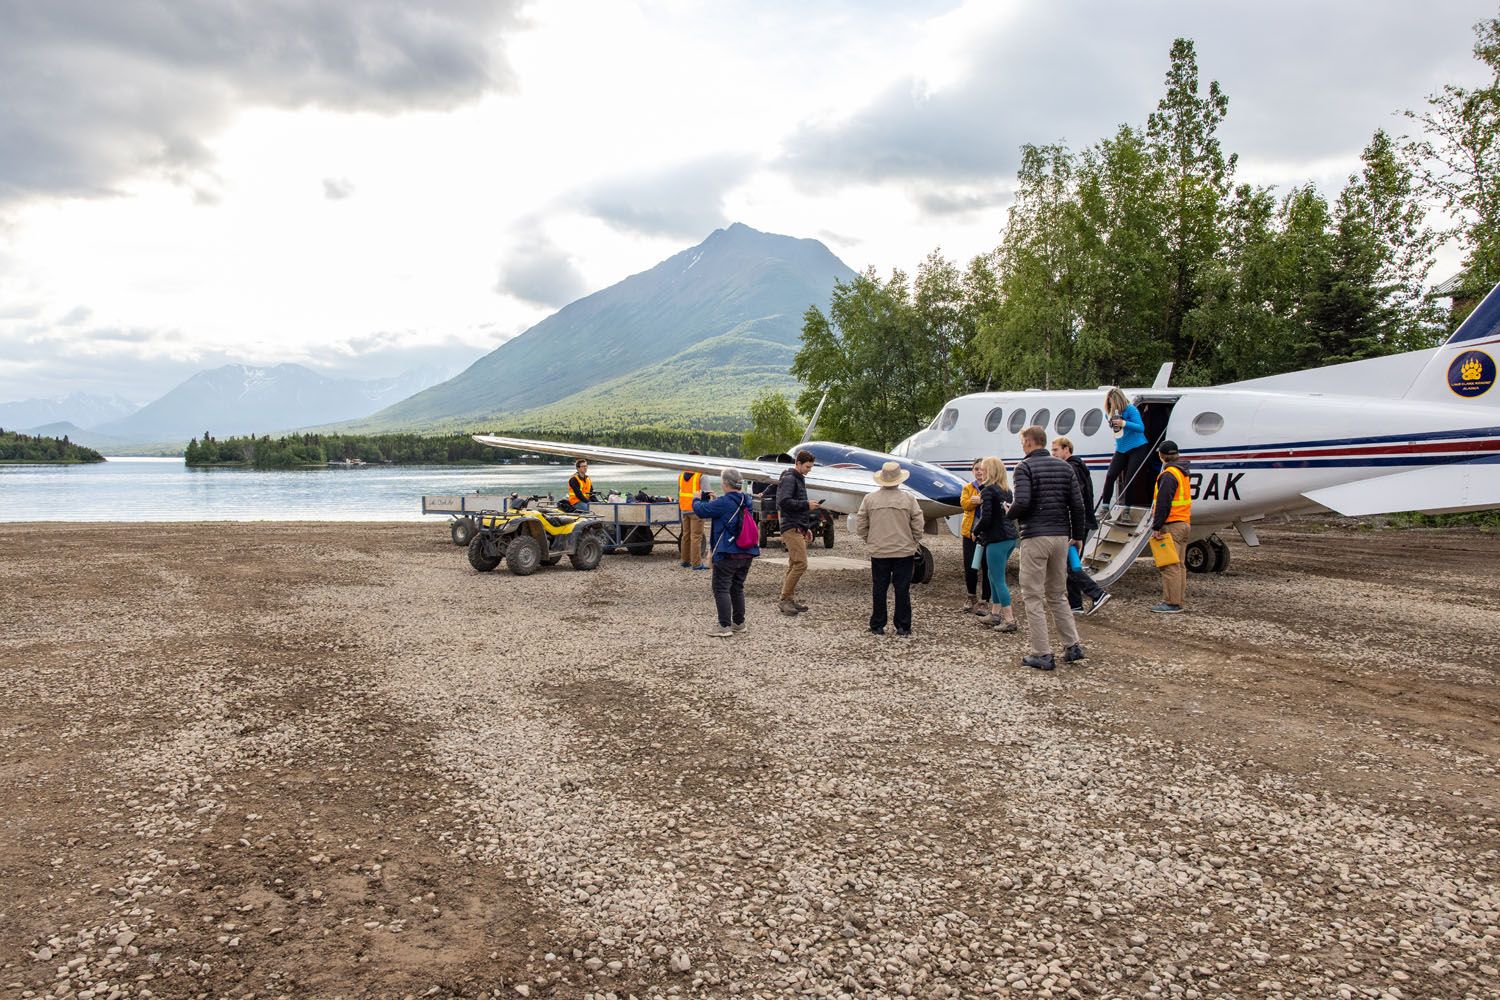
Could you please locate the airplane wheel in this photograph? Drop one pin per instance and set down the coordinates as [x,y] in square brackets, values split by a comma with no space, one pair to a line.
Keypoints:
[1198,558]
[828,534]
[1220,552]
[922,572]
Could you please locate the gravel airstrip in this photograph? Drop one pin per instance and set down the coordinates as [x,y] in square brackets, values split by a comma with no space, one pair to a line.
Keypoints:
[314,760]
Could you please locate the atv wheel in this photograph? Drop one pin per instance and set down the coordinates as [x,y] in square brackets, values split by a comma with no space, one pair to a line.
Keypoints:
[638,541]
[524,555]
[828,533]
[480,556]
[589,551]
[462,531]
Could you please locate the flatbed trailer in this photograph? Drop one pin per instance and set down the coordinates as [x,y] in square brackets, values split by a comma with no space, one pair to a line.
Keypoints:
[631,526]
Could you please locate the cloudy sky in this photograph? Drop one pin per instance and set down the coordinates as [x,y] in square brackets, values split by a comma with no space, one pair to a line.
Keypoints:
[366,187]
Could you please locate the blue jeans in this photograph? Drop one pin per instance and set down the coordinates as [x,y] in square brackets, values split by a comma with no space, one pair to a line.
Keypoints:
[996,555]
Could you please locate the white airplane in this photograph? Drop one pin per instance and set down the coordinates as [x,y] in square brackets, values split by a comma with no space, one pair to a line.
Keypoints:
[1418,431]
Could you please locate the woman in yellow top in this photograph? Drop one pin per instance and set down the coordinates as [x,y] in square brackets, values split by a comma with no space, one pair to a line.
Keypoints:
[974,577]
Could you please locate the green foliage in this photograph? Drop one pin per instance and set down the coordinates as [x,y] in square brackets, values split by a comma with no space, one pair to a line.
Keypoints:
[1457,160]
[28,449]
[774,426]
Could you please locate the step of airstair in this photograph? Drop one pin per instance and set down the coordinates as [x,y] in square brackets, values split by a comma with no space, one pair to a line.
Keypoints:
[1123,535]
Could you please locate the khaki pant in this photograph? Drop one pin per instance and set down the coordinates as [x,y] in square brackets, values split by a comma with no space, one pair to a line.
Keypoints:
[1174,577]
[1044,584]
[690,541]
[796,561]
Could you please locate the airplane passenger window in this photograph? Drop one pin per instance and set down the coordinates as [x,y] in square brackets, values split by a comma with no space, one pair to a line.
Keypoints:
[1017,421]
[1040,417]
[1092,421]
[992,419]
[1207,423]
[950,417]
[1064,422]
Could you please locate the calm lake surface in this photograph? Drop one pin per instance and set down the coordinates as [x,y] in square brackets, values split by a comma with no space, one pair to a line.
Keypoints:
[165,489]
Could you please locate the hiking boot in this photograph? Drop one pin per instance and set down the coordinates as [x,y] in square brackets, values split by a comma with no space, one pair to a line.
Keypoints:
[787,607]
[737,627]
[877,631]
[905,633]
[721,631]
[972,608]
[1040,661]
[1005,626]
[799,606]
[1167,609]
[1073,653]
[1104,599]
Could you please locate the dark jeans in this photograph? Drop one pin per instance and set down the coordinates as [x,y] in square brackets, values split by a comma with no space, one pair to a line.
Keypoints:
[1123,467]
[884,573]
[729,589]
[975,577]
[1080,584]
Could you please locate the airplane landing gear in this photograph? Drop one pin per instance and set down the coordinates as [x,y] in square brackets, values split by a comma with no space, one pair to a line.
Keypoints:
[1207,555]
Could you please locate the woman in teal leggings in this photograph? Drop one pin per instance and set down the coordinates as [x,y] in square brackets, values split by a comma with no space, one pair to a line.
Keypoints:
[1000,535]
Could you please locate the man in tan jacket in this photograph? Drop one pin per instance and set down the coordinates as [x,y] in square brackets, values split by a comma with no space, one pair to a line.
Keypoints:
[890,522]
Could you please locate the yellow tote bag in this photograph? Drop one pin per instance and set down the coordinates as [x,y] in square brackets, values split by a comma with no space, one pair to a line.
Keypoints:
[1164,551]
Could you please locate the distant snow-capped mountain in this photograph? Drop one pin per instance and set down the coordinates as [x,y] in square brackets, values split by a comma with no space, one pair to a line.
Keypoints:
[79,408]
[246,399]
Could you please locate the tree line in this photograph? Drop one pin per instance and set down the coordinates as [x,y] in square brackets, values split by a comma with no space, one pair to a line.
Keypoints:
[1143,248]
[294,451]
[16,447]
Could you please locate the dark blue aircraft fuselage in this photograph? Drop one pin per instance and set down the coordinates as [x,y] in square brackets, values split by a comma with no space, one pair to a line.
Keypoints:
[929,480]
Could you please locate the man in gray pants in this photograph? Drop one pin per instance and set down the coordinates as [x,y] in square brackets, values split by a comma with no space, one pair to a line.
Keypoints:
[1049,508]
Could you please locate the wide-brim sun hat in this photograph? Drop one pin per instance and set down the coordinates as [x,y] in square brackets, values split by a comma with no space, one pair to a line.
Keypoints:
[891,474]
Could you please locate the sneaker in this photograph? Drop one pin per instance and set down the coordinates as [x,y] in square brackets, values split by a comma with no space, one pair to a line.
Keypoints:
[1101,602]
[1076,609]
[787,607]
[799,606]
[1040,661]
[1005,626]
[685,564]
[737,627]
[700,566]
[721,631]
[877,631]
[904,632]
[1074,653]
[1167,609]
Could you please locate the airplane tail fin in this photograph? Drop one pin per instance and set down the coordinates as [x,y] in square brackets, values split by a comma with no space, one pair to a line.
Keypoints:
[1463,370]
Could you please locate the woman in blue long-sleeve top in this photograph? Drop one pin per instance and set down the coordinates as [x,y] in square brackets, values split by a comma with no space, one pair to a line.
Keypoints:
[1131,446]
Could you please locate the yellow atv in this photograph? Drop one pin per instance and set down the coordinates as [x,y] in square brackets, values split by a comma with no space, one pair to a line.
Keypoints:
[529,539]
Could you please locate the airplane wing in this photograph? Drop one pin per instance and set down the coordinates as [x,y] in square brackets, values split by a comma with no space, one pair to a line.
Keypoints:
[1447,489]
[841,490]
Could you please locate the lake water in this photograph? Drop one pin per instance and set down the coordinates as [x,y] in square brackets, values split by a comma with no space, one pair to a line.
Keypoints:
[165,489]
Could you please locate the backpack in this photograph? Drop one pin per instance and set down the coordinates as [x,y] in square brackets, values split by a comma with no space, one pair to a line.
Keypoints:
[748,535]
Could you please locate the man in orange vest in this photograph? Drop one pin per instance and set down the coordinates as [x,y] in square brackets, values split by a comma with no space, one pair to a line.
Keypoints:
[1172,513]
[580,487]
[690,541]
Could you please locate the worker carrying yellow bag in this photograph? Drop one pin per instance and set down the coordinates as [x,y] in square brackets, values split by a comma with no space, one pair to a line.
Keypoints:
[1171,516]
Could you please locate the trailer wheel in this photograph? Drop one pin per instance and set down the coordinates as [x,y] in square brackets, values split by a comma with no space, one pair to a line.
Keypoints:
[480,556]
[639,541]
[523,555]
[462,531]
[922,571]
[828,533]
[1198,557]
[589,551]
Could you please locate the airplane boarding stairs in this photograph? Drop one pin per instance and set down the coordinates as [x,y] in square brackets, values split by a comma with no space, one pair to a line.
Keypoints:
[1124,533]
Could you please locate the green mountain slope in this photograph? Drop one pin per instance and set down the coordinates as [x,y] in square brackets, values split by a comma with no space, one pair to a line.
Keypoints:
[737,283]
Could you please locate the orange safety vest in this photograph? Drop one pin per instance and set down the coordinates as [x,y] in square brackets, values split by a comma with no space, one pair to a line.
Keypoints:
[1182,500]
[687,490]
[585,484]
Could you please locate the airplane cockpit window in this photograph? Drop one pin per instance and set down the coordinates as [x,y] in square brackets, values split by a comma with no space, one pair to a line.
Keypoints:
[1092,421]
[950,417]
[992,419]
[1040,417]
[1064,422]
[1208,422]
[1017,421]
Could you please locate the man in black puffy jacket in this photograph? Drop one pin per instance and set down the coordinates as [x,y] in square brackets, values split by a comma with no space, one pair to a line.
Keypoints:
[1049,508]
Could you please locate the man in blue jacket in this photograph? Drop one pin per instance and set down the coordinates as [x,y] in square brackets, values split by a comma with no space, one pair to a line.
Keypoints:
[731,562]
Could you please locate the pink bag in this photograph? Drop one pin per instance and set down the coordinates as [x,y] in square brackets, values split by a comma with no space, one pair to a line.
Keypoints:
[748,537]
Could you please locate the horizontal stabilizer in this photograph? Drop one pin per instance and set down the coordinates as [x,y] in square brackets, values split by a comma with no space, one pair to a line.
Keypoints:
[1446,489]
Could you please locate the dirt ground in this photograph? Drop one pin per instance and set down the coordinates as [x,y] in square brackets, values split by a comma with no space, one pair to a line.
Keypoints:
[318,760]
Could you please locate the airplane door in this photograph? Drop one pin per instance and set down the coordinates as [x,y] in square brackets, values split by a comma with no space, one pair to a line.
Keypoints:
[1156,413]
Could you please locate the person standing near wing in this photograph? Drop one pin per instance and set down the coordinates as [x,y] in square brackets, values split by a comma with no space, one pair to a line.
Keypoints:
[795,511]
[890,522]
[1049,506]
[690,541]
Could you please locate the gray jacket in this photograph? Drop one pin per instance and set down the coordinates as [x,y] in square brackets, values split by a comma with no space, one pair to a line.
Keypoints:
[890,522]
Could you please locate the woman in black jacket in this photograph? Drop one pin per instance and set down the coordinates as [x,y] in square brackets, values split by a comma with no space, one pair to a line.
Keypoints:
[998,532]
